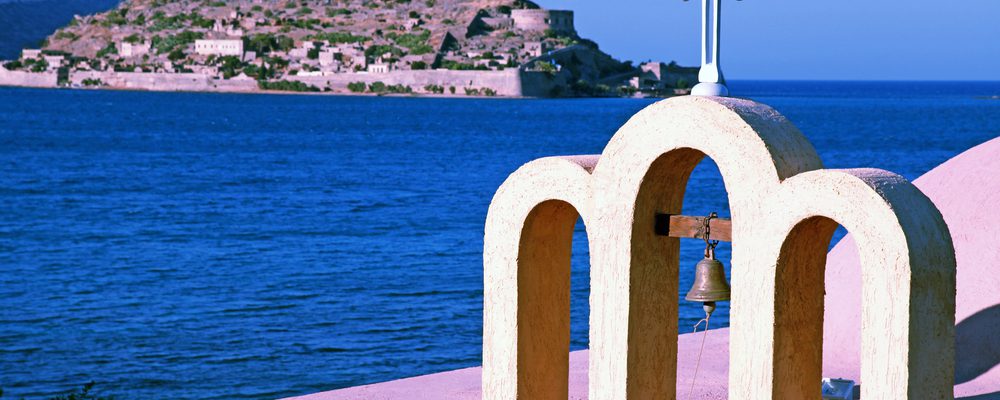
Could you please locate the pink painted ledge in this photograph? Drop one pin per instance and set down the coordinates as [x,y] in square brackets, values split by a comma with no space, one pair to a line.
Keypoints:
[967,191]
[465,384]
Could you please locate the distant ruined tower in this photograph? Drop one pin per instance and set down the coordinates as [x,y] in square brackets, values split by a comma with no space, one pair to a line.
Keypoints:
[560,21]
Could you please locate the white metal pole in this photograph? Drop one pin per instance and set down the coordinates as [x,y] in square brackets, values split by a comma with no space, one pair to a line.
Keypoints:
[717,25]
[704,32]
[710,79]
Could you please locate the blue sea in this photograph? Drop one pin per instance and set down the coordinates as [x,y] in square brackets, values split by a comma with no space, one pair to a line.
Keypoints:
[217,246]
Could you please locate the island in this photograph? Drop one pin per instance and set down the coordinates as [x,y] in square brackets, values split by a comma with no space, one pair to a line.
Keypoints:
[506,48]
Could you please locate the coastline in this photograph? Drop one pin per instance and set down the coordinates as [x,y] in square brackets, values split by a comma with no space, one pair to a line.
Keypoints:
[323,93]
[272,92]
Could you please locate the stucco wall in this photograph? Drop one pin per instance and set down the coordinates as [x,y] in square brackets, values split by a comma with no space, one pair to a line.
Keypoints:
[785,207]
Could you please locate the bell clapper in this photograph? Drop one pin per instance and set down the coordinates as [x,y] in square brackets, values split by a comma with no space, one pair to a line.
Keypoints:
[709,307]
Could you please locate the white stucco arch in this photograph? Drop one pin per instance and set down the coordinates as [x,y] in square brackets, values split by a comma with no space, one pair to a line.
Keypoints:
[908,286]
[774,182]
[643,171]
[527,243]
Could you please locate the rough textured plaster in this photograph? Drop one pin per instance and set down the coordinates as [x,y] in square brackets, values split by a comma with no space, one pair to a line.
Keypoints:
[526,344]
[774,182]
[965,189]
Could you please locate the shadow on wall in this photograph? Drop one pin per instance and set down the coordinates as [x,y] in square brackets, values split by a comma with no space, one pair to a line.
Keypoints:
[977,347]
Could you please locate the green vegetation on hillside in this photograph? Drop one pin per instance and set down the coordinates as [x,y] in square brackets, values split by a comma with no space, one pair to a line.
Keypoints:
[288,86]
[267,42]
[165,45]
[338,37]
[416,43]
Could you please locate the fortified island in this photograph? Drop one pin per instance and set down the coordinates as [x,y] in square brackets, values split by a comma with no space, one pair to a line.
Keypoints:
[510,48]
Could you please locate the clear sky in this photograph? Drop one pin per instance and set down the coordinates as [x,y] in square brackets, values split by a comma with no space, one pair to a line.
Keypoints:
[806,39]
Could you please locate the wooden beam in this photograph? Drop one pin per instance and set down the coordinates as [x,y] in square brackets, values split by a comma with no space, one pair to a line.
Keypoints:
[683,226]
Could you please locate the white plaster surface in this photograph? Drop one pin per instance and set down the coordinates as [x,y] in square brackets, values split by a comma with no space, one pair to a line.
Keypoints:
[784,207]
[967,191]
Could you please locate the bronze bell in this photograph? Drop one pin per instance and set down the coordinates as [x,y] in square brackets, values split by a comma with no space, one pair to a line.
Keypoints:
[710,283]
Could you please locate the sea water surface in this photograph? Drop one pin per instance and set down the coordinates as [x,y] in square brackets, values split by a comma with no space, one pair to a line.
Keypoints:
[183,245]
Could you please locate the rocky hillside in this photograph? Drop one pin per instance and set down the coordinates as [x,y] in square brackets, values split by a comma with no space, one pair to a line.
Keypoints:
[25,23]
[274,40]
[400,27]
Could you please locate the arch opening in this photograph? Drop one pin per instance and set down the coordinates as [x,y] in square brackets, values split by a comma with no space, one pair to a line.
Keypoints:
[799,304]
[580,289]
[544,276]
[657,293]
[906,311]
[706,194]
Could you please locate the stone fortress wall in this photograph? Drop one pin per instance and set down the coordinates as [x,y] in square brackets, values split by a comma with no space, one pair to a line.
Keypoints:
[27,79]
[560,21]
[508,82]
[164,82]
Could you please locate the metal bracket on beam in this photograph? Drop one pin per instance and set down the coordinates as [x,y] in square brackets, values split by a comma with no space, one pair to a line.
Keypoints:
[684,226]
